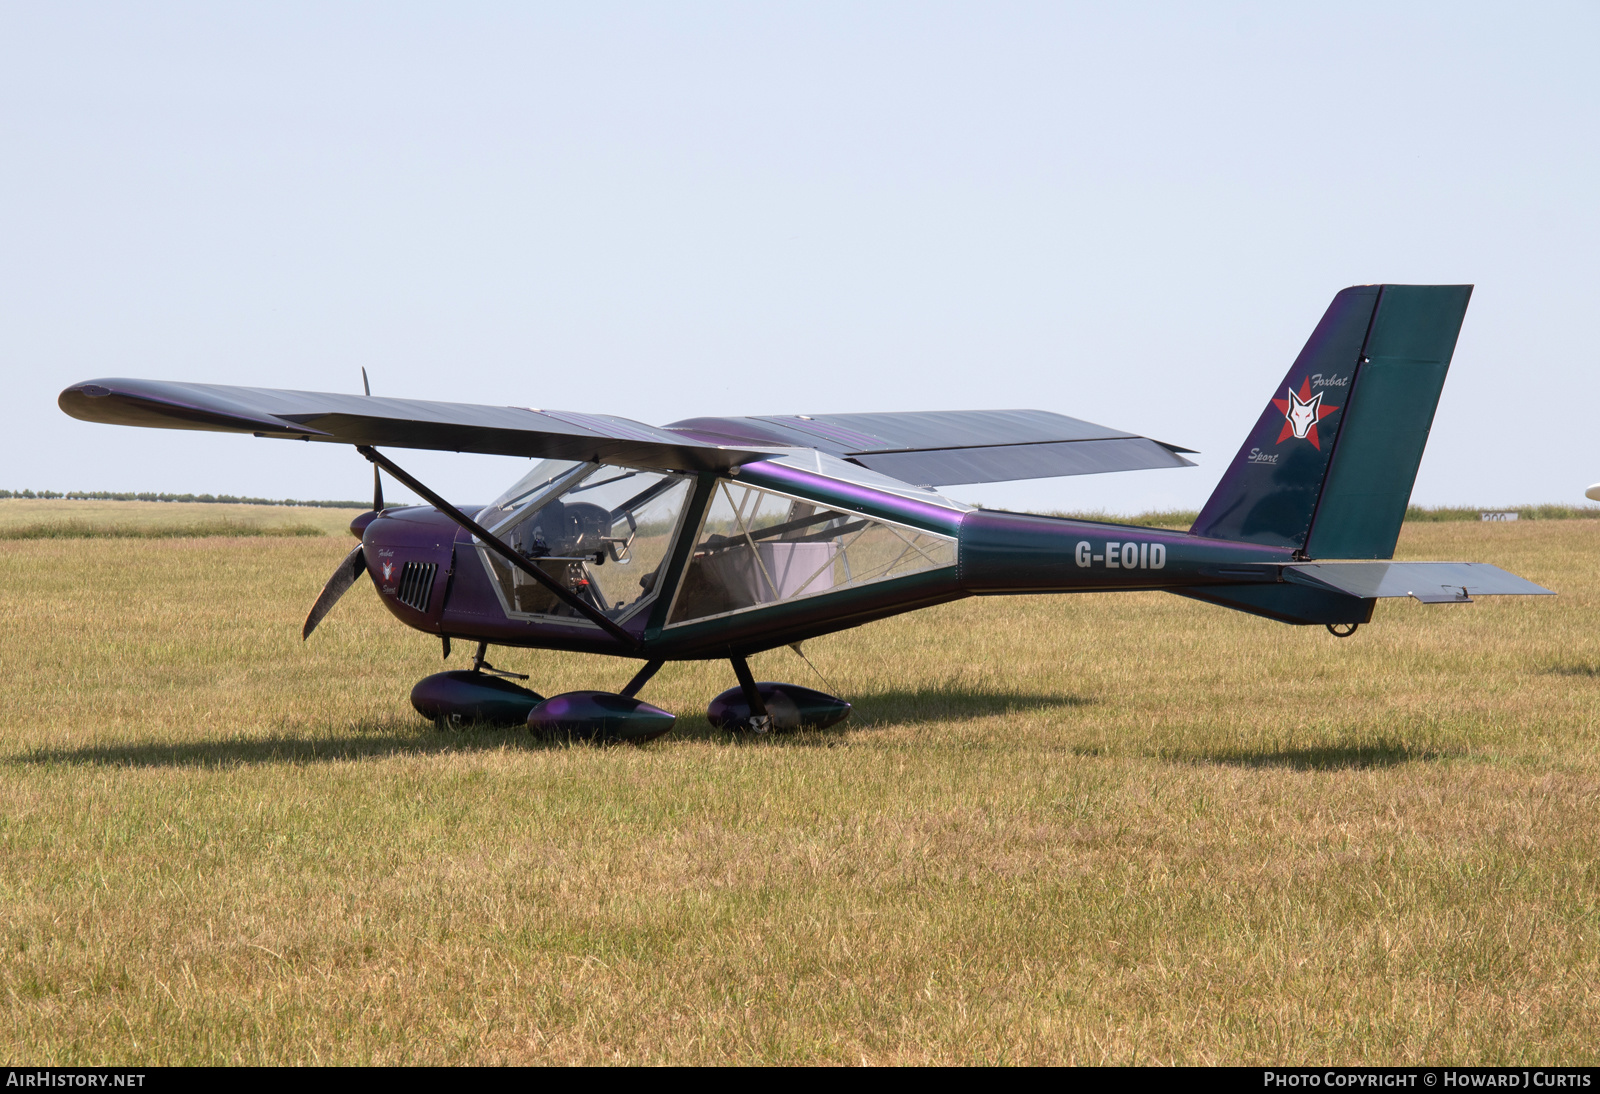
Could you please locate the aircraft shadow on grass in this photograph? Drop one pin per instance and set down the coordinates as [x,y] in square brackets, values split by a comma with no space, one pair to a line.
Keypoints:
[883,710]
[889,709]
[407,737]
[1332,757]
[391,738]
[1573,669]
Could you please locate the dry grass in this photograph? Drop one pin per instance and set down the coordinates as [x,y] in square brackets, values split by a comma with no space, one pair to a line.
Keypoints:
[30,518]
[1095,828]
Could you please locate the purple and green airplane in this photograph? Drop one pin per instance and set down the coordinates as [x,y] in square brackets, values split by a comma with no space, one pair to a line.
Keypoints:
[718,538]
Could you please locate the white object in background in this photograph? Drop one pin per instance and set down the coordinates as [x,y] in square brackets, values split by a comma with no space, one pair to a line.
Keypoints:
[1593,493]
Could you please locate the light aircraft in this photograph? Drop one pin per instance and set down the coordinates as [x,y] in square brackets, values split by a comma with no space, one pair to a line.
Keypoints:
[718,538]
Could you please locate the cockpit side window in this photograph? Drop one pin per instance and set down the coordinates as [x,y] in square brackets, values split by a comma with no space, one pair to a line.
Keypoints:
[603,532]
[756,547]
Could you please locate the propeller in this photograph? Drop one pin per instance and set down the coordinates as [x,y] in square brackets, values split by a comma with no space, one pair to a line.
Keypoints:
[355,563]
[351,569]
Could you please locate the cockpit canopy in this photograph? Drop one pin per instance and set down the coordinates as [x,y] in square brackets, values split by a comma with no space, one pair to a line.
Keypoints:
[606,534]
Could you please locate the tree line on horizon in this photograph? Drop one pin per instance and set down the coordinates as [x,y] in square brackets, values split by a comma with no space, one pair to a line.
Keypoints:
[220,499]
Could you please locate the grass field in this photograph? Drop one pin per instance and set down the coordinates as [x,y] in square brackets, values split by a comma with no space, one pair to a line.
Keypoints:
[1073,829]
[29,518]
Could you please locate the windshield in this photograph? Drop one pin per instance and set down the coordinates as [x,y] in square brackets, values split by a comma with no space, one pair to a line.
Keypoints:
[602,532]
[527,489]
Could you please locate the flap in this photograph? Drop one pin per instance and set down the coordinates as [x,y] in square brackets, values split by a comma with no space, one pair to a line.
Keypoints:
[938,448]
[1001,463]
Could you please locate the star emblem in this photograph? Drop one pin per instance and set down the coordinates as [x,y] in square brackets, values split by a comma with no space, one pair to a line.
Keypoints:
[1301,413]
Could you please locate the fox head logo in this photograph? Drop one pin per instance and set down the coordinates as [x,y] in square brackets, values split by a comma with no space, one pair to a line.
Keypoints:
[388,570]
[1303,416]
[1301,413]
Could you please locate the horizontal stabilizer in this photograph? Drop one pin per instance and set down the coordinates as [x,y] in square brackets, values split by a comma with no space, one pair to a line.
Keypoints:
[1429,582]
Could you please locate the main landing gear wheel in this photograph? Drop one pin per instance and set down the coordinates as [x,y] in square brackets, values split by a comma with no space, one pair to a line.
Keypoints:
[1342,630]
[599,716]
[771,707]
[484,696]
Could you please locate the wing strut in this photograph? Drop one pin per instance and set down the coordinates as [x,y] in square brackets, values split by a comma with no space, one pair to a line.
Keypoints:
[500,548]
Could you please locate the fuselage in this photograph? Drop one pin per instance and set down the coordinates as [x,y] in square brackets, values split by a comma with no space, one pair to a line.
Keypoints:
[765,577]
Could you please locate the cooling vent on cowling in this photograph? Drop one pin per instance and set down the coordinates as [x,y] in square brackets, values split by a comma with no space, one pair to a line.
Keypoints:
[416,584]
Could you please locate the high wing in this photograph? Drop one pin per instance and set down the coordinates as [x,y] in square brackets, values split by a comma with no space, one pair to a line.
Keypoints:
[932,449]
[395,423]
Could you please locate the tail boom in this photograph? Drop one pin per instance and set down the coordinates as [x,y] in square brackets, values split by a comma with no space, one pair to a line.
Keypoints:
[1016,553]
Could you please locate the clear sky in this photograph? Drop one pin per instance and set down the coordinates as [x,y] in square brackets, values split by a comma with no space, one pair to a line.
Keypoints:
[1128,213]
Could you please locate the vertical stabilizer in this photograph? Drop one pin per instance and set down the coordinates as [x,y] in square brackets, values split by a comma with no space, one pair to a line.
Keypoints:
[1269,493]
[1329,466]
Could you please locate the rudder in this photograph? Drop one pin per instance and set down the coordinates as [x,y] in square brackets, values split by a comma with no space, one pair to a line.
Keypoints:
[1390,415]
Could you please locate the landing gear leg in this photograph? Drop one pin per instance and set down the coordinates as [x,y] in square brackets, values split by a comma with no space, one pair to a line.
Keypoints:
[481,665]
[642,677]
[760,720]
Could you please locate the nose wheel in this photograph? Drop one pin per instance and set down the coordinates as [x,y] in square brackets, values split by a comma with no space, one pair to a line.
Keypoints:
[1342,630]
